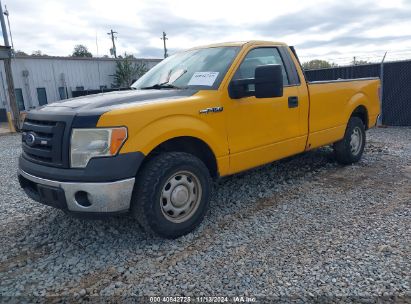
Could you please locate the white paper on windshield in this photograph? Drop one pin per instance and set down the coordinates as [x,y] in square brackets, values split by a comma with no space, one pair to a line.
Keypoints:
[203,78]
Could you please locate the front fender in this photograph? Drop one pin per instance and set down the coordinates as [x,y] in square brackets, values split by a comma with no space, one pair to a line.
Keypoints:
[163,129]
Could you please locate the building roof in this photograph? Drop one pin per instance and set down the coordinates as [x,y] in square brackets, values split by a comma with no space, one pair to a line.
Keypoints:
[83,58]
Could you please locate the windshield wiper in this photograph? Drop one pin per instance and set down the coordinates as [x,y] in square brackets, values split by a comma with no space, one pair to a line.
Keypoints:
[159,86]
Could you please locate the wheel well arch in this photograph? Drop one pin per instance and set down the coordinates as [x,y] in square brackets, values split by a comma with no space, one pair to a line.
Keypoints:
[362,113]
[191,145]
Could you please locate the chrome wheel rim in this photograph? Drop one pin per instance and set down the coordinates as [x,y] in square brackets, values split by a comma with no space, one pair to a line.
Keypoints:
[356,141]
[180,196]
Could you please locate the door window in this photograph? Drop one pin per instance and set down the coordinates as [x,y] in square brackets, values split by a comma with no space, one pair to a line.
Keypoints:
[62,93]
[19,99]
[42,96]
[257,57]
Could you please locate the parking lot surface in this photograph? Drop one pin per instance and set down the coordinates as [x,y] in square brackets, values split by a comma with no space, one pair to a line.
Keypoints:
[304,227]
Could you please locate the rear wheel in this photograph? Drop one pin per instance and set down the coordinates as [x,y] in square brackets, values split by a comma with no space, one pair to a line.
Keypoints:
[172,194]
[350,149]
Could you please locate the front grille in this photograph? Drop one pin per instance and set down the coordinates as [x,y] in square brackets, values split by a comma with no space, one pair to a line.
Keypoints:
[42,141]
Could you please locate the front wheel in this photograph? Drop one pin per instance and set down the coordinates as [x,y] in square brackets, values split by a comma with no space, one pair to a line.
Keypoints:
[350,149]
[172,194]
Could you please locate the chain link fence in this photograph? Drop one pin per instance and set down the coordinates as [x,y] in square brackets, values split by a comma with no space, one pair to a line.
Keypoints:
[396,78]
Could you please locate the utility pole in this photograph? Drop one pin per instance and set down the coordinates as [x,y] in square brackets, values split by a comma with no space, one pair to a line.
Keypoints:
[380,117]
[164,42]
[354,61]
[6,13]
[113,50]
[5,54]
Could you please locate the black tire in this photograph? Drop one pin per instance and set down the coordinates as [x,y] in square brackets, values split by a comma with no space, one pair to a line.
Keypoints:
[345,152]
[148,197]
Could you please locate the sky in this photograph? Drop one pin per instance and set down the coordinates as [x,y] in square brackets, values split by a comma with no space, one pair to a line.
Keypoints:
[332,30]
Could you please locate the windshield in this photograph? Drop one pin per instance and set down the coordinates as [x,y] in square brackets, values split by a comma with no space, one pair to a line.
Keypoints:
[198,69]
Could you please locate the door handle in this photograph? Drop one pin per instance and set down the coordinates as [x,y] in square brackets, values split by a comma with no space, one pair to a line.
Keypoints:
[293,101]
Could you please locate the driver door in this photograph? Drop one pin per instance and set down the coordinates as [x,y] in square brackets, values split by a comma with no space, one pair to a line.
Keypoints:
[261,130]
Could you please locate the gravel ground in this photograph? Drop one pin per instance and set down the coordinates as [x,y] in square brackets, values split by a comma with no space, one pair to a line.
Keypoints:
[300,228]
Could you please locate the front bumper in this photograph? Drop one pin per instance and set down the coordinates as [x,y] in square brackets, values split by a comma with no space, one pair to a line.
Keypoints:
[84,197]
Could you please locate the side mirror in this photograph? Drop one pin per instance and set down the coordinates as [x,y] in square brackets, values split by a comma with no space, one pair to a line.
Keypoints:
[268,83]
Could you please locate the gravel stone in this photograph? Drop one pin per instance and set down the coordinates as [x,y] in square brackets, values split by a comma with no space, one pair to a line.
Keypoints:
[300,228]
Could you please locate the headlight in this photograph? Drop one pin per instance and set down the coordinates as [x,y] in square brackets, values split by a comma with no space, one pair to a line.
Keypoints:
[98,142]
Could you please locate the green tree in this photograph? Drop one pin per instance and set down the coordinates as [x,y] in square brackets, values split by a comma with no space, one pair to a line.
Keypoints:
[318,64]
[127,71]
[20,53]
[359,62]
[81,51]
[38,53]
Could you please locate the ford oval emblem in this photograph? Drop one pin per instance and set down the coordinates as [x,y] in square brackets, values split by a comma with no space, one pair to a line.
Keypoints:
[30,139]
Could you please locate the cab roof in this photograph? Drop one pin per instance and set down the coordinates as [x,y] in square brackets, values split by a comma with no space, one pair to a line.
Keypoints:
[240,43]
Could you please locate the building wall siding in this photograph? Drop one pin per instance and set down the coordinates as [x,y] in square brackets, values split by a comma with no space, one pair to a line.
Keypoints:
[30,73]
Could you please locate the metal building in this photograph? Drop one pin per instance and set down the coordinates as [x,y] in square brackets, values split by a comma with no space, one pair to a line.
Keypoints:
[42,80]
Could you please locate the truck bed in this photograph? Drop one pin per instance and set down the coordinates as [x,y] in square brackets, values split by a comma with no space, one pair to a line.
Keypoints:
[332,102]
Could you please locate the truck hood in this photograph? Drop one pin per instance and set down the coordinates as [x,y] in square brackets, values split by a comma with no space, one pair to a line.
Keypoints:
[84,112]
[100,103]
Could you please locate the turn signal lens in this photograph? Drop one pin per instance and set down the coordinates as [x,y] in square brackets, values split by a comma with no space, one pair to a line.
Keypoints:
[118,137]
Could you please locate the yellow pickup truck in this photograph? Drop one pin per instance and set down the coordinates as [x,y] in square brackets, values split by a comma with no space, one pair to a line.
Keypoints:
[198,115]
